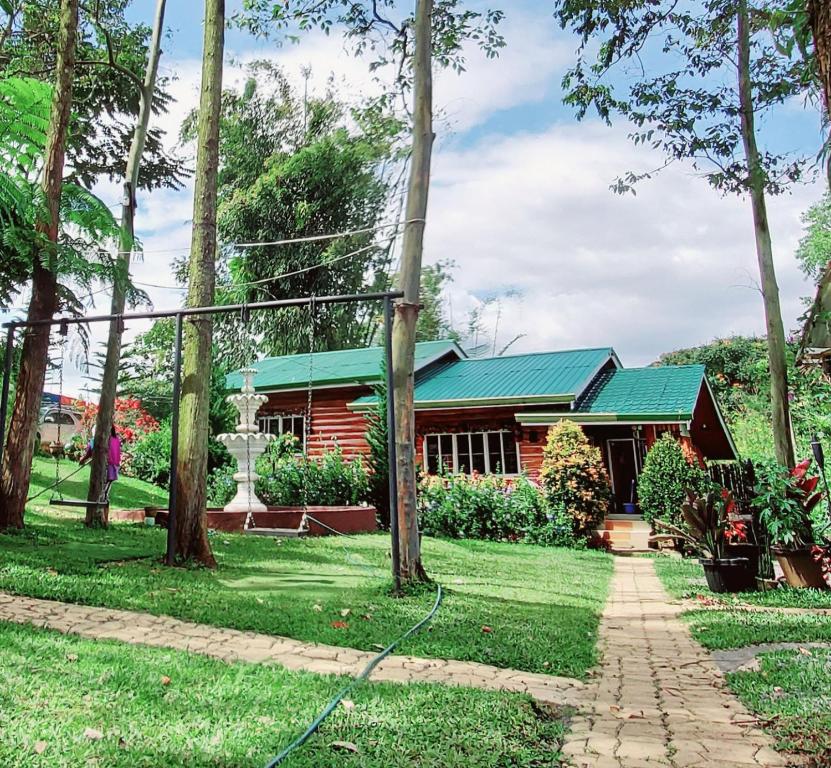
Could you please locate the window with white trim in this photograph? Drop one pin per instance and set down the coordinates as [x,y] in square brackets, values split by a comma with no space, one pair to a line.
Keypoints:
[494,453]
[283,424]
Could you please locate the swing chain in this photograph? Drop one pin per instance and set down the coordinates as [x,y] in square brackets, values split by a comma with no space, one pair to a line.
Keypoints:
[57,450]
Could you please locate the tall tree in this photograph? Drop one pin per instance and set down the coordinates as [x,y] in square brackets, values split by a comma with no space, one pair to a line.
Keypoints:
[17,466]
[436,33]
[109,382]
[819,16]
[409,280]
[191,534]
[722,70]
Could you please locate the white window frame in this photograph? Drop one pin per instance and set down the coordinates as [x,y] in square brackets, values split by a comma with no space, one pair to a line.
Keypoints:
[264,421]
[486,434]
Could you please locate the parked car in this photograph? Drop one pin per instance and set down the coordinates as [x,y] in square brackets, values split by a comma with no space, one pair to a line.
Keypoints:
[70,425]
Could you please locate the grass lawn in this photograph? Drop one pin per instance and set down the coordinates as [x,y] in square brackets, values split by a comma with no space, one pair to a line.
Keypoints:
[792,692]
[541,605]
[126,493]
[718,629]
[65,701]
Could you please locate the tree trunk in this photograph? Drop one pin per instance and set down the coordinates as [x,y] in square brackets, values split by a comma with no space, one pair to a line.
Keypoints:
[406,311]
[780,410]
[191,517]
[95,516]
[17,458]
[819,14]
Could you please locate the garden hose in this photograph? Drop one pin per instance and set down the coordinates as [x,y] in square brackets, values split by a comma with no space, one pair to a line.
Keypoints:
[367,671]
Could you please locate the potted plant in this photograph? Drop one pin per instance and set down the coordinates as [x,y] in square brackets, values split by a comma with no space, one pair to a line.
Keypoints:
[707,531]
[785,500]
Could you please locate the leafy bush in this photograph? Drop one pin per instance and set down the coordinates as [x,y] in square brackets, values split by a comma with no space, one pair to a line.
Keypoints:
[487,507]
[150,460]
[574,478]
[288,479]
[668,474]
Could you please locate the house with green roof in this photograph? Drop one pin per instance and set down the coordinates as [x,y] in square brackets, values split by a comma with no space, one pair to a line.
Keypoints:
[491,415]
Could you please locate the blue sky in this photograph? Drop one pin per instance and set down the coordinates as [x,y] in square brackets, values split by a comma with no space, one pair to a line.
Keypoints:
[520,200]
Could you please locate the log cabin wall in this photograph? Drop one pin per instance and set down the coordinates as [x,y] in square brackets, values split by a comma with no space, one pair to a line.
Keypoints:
[333,424]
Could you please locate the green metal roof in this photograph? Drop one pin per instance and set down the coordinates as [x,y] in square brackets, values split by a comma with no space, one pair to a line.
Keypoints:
[544,377]
[345,366]
[664,391]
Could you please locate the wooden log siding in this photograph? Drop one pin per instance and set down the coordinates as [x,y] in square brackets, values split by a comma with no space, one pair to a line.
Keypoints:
[332,424]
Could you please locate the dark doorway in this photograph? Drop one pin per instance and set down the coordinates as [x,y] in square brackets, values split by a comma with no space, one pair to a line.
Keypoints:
[623,466]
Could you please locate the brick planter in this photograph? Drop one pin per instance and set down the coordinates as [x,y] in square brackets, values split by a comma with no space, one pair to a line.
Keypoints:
[343,519]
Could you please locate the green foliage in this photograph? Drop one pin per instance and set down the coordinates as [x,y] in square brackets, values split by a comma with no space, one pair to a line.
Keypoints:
[668,474]
[151,456]
[488,507]
[574,479]
[106,98]
[376,436]
[289,479]
[814,251]
[685,103]
[433,323]
[737,368]
[788,504]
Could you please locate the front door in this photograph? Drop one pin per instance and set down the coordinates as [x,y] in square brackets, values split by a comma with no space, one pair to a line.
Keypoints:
[623,468]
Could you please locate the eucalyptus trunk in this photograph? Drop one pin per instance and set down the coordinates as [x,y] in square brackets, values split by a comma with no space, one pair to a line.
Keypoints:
[17,457]
[191,534]
[780,409]
[819,14]
[406,310]
[96,516]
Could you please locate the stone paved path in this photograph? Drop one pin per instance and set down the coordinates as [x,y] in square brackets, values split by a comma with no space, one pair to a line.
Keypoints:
[232,645]
[746,659]
[659,699]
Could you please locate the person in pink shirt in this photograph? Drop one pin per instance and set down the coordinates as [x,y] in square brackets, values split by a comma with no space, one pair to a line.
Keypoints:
[113,459]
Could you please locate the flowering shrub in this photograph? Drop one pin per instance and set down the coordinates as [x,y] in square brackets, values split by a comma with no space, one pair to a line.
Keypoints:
[668,475]
[132,424]
[487,507]
[574,479]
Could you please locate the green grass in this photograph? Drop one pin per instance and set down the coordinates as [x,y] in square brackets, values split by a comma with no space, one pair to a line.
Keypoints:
[126,493]
[792,692]
[719,629]
[54,688]
[541,605]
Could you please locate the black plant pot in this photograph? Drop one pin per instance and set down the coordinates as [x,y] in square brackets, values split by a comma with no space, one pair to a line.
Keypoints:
[746,549]
[729,575]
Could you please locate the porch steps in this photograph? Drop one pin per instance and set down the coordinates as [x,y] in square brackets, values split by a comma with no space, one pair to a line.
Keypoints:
[626,532]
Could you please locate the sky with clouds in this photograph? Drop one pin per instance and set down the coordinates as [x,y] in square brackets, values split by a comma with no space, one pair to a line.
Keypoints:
[521,203]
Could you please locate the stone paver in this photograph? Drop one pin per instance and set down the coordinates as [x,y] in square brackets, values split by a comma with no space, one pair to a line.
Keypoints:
[233,645]
[659,699]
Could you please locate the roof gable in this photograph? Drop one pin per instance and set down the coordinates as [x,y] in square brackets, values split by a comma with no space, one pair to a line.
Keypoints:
[340,367]
[663,391]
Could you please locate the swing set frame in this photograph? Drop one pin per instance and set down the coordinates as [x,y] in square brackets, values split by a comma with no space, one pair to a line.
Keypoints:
[179,315]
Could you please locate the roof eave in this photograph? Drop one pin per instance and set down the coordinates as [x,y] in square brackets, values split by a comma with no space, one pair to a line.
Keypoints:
[545,419]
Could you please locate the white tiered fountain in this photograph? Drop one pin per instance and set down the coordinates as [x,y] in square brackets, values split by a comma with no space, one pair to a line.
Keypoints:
[245,445]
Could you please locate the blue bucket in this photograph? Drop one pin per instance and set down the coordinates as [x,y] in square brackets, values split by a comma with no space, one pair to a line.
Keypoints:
[629,509]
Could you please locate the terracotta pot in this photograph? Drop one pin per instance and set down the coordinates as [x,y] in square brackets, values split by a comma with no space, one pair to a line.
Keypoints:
[800,568]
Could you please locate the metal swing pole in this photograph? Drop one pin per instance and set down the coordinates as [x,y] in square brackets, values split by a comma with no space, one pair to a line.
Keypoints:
[174,436]
[391,453]
[4,397]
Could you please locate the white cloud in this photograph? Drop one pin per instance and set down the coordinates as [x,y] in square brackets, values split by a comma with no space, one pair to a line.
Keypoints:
[673,266]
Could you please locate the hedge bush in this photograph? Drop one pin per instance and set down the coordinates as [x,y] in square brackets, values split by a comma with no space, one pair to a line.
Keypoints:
[574,479]
[667,475]
[488,507]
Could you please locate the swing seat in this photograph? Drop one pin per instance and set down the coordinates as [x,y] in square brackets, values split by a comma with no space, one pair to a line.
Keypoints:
[275,533]
[56,502]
